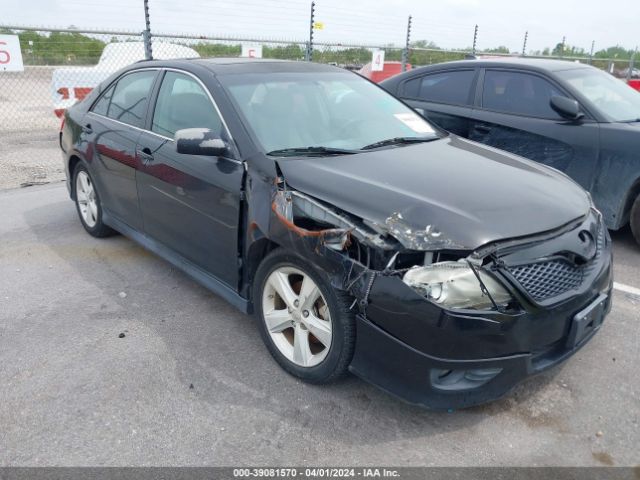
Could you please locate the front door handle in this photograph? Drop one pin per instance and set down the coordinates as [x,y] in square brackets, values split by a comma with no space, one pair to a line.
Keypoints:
[87,129]
[145,154]
[482,128]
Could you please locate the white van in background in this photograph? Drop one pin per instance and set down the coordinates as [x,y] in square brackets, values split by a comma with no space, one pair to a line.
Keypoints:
[72,84]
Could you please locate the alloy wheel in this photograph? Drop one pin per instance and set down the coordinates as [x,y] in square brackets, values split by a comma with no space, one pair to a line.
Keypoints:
[297,316]
[86,198]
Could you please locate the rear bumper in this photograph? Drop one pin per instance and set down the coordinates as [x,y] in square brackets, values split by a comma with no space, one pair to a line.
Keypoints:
[407,373]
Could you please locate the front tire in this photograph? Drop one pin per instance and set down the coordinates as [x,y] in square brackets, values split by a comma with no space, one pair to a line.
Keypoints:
[634,219]
[305,323]
[88,204]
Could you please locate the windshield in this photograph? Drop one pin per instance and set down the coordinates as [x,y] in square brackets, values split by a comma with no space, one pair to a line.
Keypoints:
[332,110]
[613,97]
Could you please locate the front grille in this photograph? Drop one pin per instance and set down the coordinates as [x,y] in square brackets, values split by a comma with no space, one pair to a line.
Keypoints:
[548,279]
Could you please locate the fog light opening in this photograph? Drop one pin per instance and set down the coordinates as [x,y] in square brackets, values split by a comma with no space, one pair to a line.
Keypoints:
[455,380]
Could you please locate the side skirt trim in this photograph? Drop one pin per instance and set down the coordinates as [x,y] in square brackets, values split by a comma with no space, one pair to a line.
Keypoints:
[203,278]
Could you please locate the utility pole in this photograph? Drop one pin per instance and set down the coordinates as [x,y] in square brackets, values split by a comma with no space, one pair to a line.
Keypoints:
[524,45]
[146,34]
[475,39]
[593,44]
[405,52]
[564,46]
[631,63]
[309,55]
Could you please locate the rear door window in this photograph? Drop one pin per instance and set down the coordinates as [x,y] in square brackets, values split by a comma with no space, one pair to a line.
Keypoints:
[452,87]
[101,107]
[518,93]
[130,98]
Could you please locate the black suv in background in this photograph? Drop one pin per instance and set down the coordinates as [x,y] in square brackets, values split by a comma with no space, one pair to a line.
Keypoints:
[570,116]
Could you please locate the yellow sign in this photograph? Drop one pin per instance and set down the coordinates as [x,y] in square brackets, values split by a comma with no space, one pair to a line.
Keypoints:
[318,26]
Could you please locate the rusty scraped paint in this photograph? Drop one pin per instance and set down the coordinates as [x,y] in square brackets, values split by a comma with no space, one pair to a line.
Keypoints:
[336,238]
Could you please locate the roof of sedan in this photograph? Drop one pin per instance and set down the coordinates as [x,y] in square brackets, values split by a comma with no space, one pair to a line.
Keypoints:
[245,65]
[531,63]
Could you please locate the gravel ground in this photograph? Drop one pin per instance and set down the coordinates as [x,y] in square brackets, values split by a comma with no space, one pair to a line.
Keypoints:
[190,383]
[35,160]
[29,151]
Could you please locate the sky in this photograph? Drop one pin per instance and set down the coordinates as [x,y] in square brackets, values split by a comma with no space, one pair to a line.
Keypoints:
[448,23]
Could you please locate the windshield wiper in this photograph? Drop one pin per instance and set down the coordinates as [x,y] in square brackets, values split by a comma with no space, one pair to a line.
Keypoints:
[319,150]
[399,141]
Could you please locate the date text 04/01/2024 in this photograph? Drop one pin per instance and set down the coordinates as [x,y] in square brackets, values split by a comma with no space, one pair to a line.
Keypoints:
[315,472]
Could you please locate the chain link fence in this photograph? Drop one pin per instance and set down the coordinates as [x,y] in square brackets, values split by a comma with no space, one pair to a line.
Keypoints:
[63,66]
[60,68]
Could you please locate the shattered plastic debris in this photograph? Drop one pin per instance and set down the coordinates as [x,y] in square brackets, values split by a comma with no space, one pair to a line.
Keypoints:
[425,239]
[283,206]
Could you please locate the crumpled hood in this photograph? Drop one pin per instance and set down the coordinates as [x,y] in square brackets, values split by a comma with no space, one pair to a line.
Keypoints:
[452,190]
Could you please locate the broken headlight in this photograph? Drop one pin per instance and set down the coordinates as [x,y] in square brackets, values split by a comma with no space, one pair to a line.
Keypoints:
[455,285]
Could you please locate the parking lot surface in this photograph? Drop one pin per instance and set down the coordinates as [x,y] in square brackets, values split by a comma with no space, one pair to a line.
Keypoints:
[190,383]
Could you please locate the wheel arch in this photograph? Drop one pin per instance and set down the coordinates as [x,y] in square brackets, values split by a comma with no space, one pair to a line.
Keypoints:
[631,196]
[73,162]
[255,254]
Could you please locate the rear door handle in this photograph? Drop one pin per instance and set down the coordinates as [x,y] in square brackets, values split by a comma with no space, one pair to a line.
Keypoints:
[482,128]
[145,154]
[87,128]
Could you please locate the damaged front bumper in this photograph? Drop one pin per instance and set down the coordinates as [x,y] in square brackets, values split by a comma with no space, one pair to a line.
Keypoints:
[450,359]
[446,358]
[464,376]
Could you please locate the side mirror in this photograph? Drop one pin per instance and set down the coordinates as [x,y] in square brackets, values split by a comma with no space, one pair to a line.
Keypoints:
[199,141]
[566,107]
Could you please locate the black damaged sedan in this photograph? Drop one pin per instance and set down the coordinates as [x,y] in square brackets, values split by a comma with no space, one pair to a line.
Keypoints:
[364,239]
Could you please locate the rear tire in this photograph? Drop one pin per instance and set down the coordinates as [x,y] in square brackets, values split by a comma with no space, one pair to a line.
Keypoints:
[88,204]
[634,219]
[305,323]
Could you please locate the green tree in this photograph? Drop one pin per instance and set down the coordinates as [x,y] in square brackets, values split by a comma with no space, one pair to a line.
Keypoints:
[617,52]
[292,51]
[217,49]
[425,44]
[500,49]
[59,48]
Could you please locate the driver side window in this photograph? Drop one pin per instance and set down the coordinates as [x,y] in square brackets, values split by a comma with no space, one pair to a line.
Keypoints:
[518,93]
[183,103]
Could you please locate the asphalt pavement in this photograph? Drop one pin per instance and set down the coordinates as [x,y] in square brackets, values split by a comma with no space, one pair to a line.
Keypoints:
[190,382]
